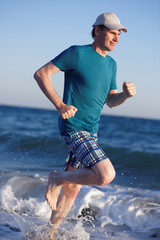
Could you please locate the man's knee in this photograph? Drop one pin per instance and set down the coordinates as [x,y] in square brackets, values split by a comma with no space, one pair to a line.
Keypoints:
[72,190]
[106,178]
[104,172]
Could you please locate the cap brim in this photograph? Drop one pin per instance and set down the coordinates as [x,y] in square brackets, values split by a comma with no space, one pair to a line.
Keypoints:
[124,30]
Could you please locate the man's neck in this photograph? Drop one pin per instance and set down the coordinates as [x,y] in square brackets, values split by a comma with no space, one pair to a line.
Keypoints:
[99,50]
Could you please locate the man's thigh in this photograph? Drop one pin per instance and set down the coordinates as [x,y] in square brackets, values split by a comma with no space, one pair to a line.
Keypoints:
[104,168]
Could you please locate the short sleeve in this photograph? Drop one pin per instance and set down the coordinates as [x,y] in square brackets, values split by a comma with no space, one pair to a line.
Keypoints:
[113,85]
[67,60]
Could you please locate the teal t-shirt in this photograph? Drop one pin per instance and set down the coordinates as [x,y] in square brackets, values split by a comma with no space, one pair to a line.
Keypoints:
[88,79]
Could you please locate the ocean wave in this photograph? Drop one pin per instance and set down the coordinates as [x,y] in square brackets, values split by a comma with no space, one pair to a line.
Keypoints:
[128,158]
[18,142]
[26,153]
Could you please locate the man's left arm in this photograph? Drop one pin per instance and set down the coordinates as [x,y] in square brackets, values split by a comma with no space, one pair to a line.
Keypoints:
[114,98]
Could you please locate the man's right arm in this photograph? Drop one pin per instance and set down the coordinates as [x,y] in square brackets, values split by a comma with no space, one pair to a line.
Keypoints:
[43,78]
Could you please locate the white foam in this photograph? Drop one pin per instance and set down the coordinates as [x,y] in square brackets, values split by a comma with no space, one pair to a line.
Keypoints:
[137,209]
[125,206]
[78,233]
[25,207]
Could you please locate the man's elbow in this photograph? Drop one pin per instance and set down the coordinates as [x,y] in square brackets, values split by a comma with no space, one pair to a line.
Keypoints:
[37,75]
[108,103]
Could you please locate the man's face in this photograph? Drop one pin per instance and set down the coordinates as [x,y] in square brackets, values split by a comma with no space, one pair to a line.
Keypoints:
[107,39]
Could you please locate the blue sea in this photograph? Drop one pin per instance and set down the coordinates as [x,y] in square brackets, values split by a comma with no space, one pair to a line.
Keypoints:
[128,208]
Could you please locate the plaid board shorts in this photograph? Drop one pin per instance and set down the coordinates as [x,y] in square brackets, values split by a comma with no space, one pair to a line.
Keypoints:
[84,150]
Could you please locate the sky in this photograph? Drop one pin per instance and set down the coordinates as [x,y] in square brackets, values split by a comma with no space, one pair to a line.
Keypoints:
[35,31]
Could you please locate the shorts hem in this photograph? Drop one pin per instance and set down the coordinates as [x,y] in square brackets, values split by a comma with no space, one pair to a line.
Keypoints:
[97,162]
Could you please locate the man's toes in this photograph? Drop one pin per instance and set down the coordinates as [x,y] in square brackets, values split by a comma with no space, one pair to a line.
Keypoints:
[52,206]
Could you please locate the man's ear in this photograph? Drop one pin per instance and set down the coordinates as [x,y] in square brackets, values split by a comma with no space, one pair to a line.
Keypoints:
[97,30]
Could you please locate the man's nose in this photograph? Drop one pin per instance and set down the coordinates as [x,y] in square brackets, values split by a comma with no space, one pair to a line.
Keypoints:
[116,38]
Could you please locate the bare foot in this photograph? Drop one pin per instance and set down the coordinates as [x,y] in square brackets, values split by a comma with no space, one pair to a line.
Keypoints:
[53,231]
[52,190]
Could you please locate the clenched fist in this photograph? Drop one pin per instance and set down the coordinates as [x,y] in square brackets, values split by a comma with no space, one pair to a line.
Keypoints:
[129,89]
[67,111]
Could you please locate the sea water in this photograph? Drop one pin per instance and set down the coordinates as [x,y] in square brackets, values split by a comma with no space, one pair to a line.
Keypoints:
[128,208]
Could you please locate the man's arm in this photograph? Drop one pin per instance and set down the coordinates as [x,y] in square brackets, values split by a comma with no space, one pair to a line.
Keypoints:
[114,98]
[43,78]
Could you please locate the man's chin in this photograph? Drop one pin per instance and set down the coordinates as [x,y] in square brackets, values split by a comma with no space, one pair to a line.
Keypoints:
[110,48]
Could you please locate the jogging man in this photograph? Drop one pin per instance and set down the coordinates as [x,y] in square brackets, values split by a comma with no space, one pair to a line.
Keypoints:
[90,82]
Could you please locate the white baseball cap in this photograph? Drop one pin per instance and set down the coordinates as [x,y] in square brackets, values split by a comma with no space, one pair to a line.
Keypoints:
[109,20]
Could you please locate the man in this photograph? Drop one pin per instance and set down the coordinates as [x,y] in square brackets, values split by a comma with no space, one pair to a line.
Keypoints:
[90,82]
